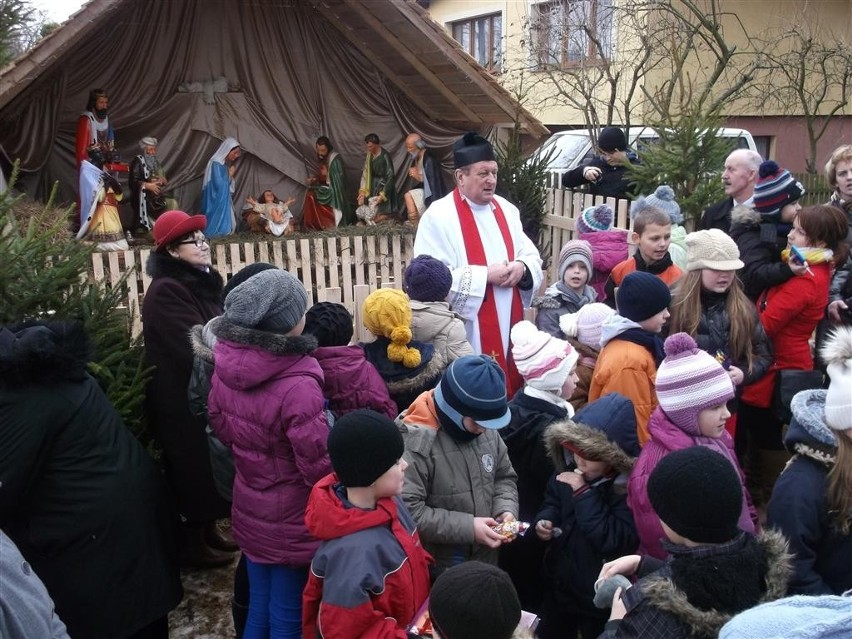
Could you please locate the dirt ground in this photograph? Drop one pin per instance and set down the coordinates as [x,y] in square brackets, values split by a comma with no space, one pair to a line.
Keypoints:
[205,612]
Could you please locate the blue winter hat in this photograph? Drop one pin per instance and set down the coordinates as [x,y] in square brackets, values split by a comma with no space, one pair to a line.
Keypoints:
[775,189]
[613,415]
[474,386]
[641,295]
[799,617]
[663,199]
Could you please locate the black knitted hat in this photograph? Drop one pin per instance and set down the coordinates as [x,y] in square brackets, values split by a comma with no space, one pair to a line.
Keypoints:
[611,139]
[641,296]
[330,323]
[362,446]
[474,600]
[697,493]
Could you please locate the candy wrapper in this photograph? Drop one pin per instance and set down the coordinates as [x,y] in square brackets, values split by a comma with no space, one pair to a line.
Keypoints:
[511,529]
[422,624]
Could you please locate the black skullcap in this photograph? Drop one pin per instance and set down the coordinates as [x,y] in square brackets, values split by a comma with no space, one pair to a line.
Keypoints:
[472,148]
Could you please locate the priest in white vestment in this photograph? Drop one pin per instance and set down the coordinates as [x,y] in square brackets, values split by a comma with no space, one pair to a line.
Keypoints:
[496,268]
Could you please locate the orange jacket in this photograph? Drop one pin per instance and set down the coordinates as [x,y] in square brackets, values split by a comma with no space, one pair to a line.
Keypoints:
[627,368]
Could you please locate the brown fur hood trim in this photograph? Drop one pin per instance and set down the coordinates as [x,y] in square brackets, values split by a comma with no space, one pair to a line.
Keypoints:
[662,593]
[591,440]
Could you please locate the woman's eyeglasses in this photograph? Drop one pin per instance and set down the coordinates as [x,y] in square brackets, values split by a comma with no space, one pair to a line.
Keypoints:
[198,241]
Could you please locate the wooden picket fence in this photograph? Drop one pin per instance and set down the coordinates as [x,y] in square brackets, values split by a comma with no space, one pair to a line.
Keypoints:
[340,268]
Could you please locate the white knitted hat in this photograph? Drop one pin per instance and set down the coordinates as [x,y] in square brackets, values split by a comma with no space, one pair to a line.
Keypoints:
[837,352]
[542,360]
[713,249]
[586,323]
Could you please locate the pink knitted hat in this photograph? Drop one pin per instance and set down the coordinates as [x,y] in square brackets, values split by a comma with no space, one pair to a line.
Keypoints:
[586,323]
[690,380]
[542,360]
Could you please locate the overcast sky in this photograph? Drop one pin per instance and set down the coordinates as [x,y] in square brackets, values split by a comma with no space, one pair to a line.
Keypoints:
[58,10]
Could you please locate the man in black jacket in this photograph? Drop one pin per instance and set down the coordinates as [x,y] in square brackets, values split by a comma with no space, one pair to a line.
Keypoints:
[607,173]
[739,177]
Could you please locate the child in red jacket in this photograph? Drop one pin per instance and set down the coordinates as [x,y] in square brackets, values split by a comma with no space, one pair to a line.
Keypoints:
[370,575]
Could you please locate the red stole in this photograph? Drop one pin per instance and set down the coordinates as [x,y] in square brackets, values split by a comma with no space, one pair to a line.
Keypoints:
[490,337]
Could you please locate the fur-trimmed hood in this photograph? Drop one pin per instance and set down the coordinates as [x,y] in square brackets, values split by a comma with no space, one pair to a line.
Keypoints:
[43,353]
[745,216]
[400,379]
[808,435]
[731,571]
[206,285]
[264,340]
[604,429]
[203,340]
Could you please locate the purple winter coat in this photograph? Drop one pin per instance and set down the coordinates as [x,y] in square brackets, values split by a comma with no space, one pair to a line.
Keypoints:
[266,404]
[351,382]
[608,249]
[667,437]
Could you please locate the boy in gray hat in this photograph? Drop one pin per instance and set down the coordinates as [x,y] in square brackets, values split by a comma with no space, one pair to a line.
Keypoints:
[460,483]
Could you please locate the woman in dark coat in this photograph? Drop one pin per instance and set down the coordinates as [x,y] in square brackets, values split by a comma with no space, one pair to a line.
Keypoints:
[79,496]
[185,291]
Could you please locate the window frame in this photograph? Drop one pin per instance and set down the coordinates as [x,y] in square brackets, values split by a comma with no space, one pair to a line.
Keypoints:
[541,33]
[495,45]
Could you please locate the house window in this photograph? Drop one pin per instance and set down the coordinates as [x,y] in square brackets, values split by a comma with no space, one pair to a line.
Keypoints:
[572,32]
[482,38]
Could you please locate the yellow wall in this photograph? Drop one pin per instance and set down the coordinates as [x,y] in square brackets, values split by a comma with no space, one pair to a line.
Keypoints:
[759,19]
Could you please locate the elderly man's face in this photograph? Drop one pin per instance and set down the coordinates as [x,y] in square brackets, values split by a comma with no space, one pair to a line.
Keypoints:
[478,181]
[738,177]
[149,149]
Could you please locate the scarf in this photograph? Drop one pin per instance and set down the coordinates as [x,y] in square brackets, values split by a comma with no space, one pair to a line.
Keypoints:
[812,255]
[651,341]
[490,337]
[656,268]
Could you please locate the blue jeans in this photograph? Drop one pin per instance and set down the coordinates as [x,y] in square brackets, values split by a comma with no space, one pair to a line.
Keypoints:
[275,601]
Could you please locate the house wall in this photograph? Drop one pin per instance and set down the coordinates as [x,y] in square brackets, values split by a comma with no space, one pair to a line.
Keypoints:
[755,20]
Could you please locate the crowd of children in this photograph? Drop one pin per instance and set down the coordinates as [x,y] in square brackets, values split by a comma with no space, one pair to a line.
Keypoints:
[380,488]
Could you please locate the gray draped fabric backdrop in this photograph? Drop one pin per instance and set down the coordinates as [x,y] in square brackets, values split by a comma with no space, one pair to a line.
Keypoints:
[291,77]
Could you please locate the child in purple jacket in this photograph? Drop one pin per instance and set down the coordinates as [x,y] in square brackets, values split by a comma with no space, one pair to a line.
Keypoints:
[609,245]
[693,390]
[266,404]
[351,382]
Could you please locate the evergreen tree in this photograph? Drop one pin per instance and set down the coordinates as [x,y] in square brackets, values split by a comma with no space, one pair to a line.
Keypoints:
[523,181]
[689,157]
[44,274]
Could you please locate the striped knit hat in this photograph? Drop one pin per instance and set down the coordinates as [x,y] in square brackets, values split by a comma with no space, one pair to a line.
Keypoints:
[595,218]
[690,380]
[575,251]
[775,189]
[542,360]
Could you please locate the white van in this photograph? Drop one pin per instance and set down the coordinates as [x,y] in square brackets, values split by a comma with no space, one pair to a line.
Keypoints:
[573,148]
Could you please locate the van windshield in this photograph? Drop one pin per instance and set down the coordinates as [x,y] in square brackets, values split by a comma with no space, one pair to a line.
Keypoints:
[564,149]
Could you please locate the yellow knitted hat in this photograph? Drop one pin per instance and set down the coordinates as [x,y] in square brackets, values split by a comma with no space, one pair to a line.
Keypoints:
[387,313]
